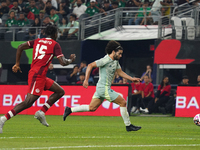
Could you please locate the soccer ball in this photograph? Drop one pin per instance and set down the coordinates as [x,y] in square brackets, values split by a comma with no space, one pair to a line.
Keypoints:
[197,119]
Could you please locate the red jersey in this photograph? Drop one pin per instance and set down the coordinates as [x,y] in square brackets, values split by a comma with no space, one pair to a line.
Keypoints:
[31,15]
[43,52]
[135,87]
[10,6]
[79,82]
[166,88]
[146,89]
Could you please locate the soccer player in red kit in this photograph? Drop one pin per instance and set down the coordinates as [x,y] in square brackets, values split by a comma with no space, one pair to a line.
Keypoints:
[43,52]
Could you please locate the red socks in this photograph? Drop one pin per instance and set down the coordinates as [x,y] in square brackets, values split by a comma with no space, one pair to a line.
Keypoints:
[46,106]
[10,114]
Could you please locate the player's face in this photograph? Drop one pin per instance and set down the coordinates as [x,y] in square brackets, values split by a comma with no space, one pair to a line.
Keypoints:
[92,4]
[198,78]
[82,77]
[185,81]
[21,16]
[32,4]
[50,66]
[166,80]
[146,79]
[118,55]
[12,15]
[148,67]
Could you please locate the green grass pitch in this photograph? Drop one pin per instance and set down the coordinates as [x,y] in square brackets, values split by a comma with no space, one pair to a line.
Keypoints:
[101,133]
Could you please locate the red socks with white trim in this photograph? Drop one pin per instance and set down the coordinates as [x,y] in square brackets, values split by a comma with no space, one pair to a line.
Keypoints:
[46,106]
[9,115]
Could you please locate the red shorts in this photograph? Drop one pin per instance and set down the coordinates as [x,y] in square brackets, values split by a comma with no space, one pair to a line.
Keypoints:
[36,83]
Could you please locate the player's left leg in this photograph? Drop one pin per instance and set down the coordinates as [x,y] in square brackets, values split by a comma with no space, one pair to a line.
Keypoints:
[58,93]
[94,104]
[28,102]
[123,110]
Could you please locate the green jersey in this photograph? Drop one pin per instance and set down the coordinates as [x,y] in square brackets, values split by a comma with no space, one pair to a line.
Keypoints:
[92,11]
[21,23]
[34,10]
[71,30]
[107,68]
[55,18]
[11,22]
[140,14]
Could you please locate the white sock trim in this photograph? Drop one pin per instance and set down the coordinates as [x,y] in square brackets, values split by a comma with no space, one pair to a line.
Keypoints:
[47,105]
[125,116]
[81,108]
[11,114]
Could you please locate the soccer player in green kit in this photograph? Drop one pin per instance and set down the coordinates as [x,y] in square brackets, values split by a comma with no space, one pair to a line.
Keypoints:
[107,67]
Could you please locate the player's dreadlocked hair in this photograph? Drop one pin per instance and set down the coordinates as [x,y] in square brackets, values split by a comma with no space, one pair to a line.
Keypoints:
[113,45]
[50,30]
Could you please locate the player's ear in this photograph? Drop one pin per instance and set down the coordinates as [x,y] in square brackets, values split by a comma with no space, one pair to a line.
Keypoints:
[113,52]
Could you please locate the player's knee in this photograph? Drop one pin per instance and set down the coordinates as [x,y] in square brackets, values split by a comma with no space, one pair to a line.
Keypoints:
[91,108]
[123,103]
[60,92]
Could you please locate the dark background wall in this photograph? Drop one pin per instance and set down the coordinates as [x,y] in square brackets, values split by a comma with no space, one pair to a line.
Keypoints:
[136,54]
[8,56]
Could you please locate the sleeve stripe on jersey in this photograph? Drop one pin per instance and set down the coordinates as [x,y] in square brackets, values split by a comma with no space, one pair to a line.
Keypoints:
[60,55]
[29,44]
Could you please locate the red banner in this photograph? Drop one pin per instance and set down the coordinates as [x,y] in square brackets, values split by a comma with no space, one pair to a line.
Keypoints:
[187,101]
[167,51]
[11,95]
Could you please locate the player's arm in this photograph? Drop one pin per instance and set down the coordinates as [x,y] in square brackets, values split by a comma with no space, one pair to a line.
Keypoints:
[142,93]
[20,48]
[124,75]
[87,73]
[64,62]
[61,58]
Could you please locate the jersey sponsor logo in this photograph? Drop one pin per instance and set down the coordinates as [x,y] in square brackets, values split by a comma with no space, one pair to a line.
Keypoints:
[37,90]
[45,42]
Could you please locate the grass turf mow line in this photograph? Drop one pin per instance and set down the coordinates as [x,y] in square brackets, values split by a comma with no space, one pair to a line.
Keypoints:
[106,146]
[90,137]
[102,133]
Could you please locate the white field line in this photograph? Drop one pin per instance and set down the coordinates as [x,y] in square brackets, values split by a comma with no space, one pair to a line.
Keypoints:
[105,146]
[92,137]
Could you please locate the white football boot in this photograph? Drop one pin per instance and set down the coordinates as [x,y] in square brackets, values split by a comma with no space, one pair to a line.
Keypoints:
[41,117]
[1,126]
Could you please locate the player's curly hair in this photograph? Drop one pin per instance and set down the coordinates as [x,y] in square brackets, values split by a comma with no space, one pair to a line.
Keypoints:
[113,45]
[51,30]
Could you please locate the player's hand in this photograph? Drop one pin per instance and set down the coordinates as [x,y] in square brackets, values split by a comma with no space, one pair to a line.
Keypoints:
[72,57]
[85,84]
[16,68]
[136,79]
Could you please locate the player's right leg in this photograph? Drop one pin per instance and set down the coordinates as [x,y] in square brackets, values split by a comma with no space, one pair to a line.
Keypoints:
[123,110]
[58,93]
[94,104]
[28,102]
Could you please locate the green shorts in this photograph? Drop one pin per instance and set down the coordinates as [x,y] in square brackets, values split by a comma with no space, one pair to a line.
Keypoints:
[105,93]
